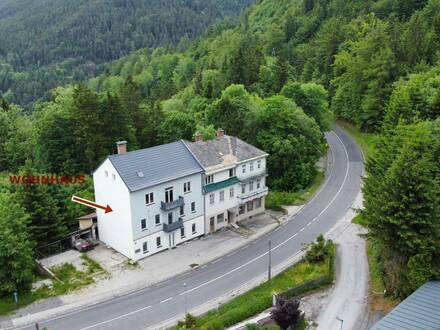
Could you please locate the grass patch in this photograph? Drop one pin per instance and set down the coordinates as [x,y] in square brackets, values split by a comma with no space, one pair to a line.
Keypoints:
[366,141]
[259,298]
[378,301]
[359,220]
[70,278]
[275,199]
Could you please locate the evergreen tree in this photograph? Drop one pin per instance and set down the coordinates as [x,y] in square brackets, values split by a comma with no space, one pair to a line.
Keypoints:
[38,200]
[16,255]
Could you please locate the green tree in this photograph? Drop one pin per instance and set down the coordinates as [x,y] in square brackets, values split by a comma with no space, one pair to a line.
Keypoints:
[231,110]
[292,140]
[131,99]
[176,126]
[39,201]
[16,255]
[312,98]
[402,202]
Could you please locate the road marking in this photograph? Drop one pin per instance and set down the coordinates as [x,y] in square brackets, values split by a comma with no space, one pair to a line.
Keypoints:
[217,260]
[116,318]
[164,301]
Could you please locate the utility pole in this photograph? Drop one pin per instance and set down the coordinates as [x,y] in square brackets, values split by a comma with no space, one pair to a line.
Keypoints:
[269,270]
[340,320]
[186,299]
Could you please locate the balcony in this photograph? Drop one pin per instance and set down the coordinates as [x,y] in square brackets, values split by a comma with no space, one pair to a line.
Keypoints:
[172,205]
[170,227]
[252,175]
[250,195]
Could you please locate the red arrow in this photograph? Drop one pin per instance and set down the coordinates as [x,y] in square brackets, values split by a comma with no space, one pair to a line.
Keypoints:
[83,201]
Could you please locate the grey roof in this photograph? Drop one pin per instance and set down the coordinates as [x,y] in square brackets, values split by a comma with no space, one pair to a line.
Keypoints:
[148,167]
[420,311]
[210,153]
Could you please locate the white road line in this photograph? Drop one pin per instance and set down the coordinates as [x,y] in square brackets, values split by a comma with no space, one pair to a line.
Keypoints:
[164,301]
[116,318]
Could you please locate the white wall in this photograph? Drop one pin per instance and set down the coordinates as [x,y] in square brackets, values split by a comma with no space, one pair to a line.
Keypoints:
[142,211]
[151,239]
[114,227]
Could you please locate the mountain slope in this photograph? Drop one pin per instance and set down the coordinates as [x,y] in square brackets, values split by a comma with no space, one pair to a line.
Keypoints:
[46,43]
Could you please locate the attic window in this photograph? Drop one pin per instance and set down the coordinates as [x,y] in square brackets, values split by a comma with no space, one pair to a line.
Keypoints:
[140,174]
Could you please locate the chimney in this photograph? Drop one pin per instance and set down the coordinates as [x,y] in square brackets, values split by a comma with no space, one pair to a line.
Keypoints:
[122,147]
[220,132]
[199,137]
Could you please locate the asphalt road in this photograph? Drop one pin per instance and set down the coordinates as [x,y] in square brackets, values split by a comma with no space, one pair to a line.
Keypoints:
[164,301]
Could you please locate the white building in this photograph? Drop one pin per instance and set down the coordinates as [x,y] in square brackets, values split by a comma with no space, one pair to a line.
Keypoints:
[168,194]
[156,197]
[234,179]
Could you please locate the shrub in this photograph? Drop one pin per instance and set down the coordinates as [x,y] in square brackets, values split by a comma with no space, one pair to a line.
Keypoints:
[319,250]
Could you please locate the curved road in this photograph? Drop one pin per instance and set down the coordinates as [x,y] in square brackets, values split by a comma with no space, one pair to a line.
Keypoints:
[164,301]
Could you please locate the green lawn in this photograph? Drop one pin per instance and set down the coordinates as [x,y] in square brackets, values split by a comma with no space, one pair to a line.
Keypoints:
[260,298]
[366,141]
[275,199]
[70,279]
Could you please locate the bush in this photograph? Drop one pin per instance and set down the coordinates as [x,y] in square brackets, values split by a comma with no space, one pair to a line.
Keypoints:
[319,250]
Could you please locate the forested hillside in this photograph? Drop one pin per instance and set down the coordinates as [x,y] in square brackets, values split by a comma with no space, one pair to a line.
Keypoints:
[272,80]
[46,43]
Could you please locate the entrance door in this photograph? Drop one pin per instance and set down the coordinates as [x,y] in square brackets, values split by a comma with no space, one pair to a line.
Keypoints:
[171,240]
[212,224]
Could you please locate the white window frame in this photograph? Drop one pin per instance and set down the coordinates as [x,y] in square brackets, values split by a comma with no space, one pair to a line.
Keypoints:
[159,240]
[251,185]
[251,167]
[193,207]
[243,189]
[155,219]
[211,199]
[259,163]
[146,226]
[258,183]
[187,187]
[231,192]
[209,179]
[222,196]
[149,198]
[243,168]
[182,232]
[194,228]
[145,247]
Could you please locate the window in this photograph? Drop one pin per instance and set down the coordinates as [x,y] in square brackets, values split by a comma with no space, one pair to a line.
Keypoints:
[169,195]
[259,164]
[211,199]
[231,172]
[114,176]
[157,219]
[258,183]
[182,210]
[145,247]
[222,196]
[243,168]
[251,185]
[158,242]
[143,224]
[149,198]
[250,206]
[243,188]
[194,228]
[258,203]
[193,207]
[241,209]
[209,179]
[251,166]
[187,187]
[182,232]
[106,174]
[220,218]
[170,217]
[231,192]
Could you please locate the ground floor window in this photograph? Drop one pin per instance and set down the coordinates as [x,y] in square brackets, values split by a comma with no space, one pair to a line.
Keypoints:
[250,206]
[258,203]
[182,232]
[220,218]
[145,247]
[241,209]
[158,242]
[194,230]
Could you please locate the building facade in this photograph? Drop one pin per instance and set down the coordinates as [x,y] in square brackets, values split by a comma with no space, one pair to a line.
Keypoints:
[156,197]
[169,194]
[234,179]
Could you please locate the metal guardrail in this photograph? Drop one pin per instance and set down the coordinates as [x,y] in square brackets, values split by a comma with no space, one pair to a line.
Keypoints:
[169,227]
[172,205]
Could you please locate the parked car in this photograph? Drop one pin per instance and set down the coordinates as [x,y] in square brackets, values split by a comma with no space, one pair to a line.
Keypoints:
[83,245]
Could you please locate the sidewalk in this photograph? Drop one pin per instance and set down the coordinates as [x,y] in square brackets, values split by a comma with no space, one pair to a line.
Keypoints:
[159,267]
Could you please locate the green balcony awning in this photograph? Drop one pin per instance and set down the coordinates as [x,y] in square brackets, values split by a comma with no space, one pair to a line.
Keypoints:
[220,185]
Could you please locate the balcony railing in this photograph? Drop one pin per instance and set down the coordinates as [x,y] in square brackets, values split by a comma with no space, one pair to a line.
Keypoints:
[169,227]
[252,175]
[243,198]
[172,205]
